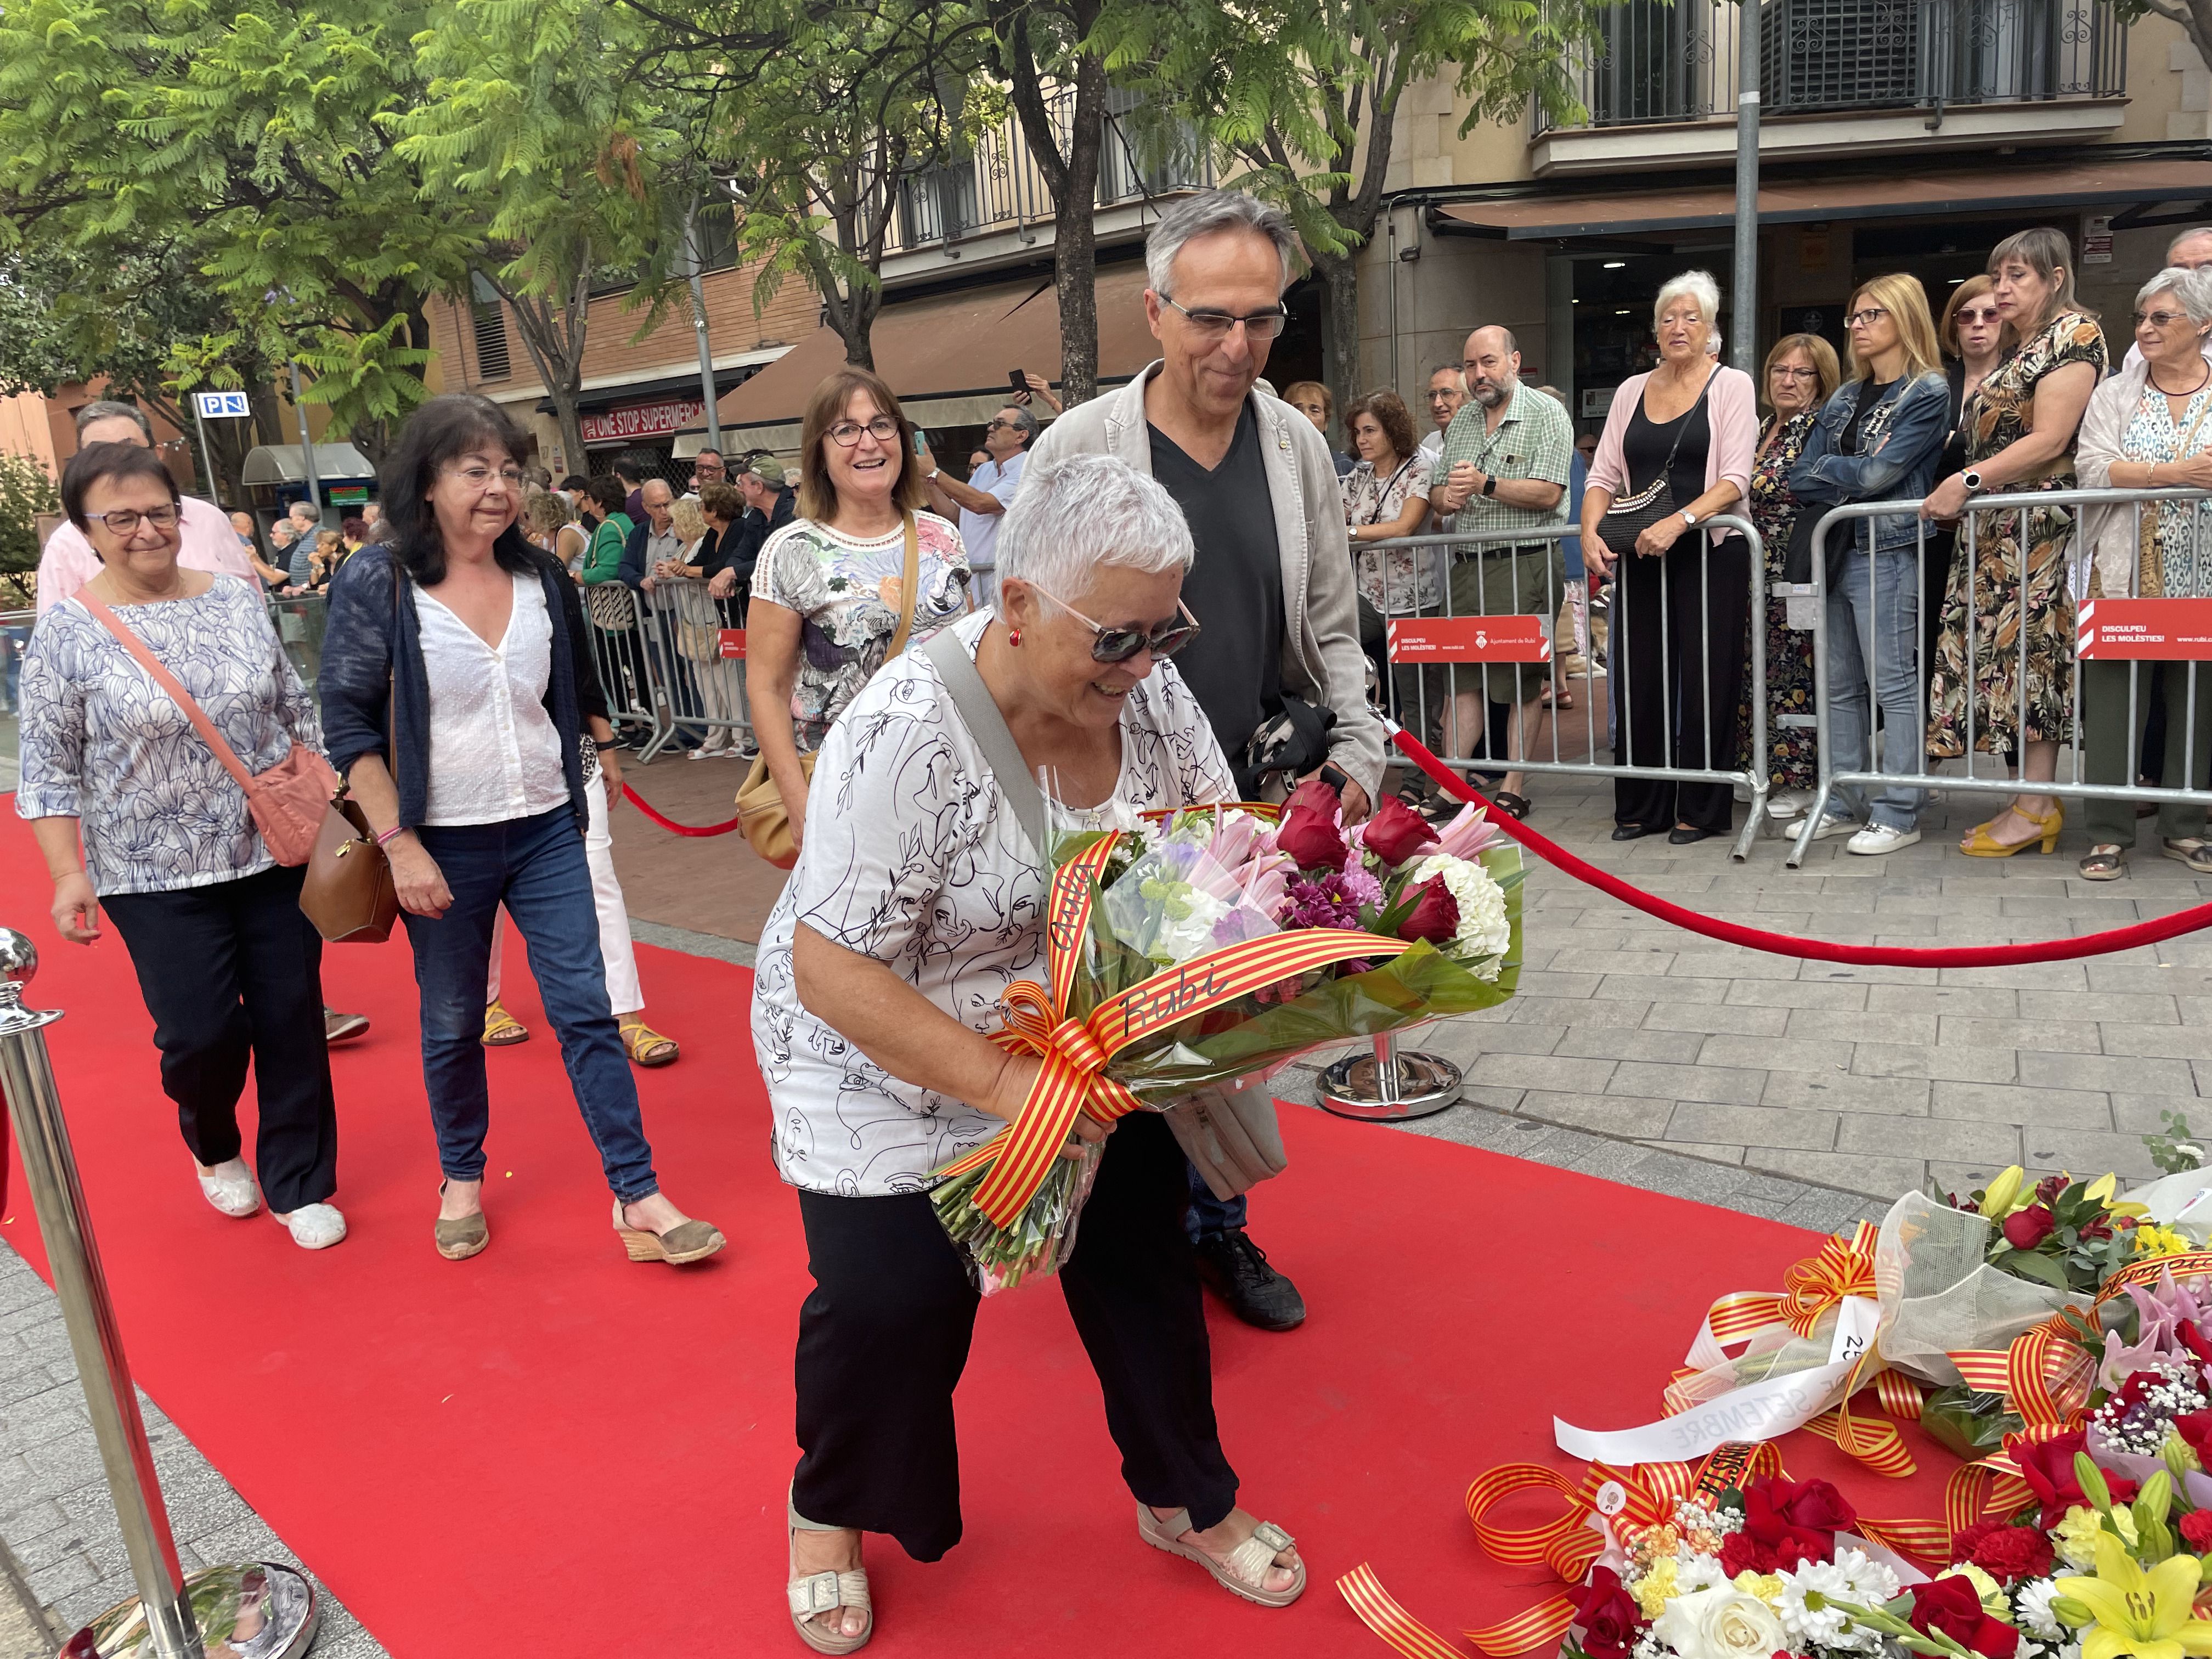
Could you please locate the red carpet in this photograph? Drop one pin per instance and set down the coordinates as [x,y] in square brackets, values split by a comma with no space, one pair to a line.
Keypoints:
[551,1450]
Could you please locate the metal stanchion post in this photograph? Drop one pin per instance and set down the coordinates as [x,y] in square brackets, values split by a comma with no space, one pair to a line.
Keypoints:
[1389,1086]
[252,1608]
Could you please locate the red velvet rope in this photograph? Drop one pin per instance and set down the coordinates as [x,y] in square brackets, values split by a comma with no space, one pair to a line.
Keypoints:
[1788,944]
[646,807]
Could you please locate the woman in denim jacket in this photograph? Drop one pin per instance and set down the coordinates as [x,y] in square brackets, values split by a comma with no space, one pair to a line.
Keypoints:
[1878,438]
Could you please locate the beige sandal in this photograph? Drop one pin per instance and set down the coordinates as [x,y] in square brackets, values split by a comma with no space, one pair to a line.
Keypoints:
[1245,1571]
[687,1241]
[819,1593]
[459,1240]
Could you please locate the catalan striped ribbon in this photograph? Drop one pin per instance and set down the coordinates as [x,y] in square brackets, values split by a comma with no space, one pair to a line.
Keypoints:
[1841,1267]
[1075,1052]
[1631,1502]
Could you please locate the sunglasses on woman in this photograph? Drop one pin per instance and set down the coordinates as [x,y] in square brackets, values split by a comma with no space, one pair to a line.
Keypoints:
[1115,645]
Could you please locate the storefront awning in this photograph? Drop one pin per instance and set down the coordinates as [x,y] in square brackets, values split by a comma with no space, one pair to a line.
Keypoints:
[281,463]
[948,356]
[1995,187]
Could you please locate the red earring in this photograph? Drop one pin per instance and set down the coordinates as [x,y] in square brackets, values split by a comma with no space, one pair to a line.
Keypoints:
[1014,637]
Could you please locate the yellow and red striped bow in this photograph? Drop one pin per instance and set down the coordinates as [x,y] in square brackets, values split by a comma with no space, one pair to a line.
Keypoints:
[1839,1268]
[1075,1052]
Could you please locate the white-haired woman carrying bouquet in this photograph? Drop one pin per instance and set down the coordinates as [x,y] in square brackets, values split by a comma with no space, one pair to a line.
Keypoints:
[918,899]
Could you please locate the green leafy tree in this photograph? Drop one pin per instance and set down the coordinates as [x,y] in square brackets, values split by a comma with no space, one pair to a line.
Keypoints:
[1299,101]
[814,115]
[531,113]
[254,138]
[25,491]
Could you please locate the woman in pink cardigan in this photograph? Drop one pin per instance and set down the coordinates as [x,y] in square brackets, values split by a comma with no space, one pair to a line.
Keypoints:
[1678,593]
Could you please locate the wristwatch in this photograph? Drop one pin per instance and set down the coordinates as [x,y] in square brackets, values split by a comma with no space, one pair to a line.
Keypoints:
[1689,518]
[1489,484]
[1972,480]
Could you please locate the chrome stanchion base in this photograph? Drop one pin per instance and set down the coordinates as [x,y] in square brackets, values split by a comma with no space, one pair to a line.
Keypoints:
[1425,1085]
[245,1609]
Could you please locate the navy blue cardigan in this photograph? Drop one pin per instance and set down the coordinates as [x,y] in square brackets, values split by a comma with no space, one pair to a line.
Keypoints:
[372,651]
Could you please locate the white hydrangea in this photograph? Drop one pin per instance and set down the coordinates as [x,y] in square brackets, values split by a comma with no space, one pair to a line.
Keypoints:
[1851,1577]
[2032,1602]
[1191,934]
[1484,932]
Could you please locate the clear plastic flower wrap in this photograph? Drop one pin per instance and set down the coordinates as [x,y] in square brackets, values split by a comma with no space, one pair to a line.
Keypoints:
[1039,1244]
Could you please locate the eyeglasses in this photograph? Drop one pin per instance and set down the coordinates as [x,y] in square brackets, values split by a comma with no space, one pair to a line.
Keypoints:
[846,435]
[1867,318]
[1209,324]
[481,478]
[1443,396]
[1115,645]
[1784,372]
[1001,426]
[124,521]
[2159,320]
[1970,315]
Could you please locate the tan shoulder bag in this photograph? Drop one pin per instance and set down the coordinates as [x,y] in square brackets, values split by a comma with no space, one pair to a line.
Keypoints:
[761,813]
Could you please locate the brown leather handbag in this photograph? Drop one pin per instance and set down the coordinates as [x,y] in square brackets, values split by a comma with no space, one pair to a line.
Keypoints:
[761,813]
[347,892]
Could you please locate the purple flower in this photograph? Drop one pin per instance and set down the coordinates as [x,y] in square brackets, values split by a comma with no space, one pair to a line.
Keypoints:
[1319,902]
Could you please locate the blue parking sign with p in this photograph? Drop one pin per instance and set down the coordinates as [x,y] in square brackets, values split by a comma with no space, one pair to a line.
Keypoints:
[220,406]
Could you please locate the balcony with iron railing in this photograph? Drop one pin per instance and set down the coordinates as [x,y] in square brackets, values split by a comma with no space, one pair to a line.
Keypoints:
[997,193]
[1836,76]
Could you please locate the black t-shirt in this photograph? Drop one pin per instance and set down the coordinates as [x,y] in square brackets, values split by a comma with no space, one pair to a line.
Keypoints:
[1234,587]
[1644,447]
[1869,395]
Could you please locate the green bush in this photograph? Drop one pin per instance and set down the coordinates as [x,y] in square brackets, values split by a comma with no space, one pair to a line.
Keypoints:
[25,491]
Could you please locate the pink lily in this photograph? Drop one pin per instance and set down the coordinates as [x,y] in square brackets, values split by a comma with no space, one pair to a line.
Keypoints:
[1467,834]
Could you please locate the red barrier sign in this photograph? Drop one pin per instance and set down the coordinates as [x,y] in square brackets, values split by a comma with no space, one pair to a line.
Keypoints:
[1470,639]
[2153,630]
[733,644]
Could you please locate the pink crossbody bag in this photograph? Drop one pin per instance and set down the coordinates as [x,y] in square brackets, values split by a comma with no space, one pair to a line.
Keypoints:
[288,801]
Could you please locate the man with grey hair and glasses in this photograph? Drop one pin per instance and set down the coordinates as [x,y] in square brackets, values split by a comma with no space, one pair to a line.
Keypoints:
[1271,584]
[208,541]
[2191,251]
[979,503]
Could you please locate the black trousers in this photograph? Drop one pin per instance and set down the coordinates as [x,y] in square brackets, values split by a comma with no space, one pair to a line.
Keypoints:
[883,1337]
[232,971]
[1680,669]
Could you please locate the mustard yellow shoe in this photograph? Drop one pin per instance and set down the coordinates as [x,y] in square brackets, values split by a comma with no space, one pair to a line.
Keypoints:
[502,1028]
[1979,844]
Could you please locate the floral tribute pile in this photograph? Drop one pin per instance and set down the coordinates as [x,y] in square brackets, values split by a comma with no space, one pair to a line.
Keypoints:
[2055,1335]
[1192,950]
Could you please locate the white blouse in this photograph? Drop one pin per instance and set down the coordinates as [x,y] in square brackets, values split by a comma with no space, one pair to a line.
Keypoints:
[495,753]
[912,856]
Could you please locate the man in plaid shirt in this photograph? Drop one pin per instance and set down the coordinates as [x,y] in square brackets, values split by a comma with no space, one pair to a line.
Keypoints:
[1503,468]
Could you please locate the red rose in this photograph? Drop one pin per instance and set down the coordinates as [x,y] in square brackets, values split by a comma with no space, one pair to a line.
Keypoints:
[2009,1552]
[1436,913]
[1609,1615]
[2047,1466]
[2197,1530]
[1397,832]
[2195,1429]
[1311,838]
[1952,1607]
[2025,1229]
[2193,1340]
[1817,1506]
[1741,1552]
[1314,796]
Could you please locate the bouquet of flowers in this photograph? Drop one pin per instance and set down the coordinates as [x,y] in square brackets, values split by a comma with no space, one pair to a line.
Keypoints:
[1196,948]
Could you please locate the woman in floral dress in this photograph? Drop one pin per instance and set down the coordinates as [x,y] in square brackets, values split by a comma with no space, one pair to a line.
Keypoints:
[829,591]
[2020,424]
[1801,373]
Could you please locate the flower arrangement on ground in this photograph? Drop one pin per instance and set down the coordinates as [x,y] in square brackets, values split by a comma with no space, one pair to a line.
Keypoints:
[1194,949]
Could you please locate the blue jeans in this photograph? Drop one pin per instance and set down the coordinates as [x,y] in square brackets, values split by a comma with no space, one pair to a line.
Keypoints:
[1883,624]
[1208,1216]
[536,867]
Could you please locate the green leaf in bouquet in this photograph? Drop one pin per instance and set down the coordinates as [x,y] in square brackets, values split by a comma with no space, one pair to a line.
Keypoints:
[1971,1423]
[2028,1264]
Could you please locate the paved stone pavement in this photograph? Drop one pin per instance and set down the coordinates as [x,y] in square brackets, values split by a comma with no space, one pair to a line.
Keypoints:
[1868,1080]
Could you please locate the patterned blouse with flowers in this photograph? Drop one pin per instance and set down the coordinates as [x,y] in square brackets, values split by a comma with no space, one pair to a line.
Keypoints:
[2180,562]
[1402,579]
[848,589]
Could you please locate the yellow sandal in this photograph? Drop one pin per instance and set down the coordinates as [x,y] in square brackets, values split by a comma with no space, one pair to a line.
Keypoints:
[1980,844]
[646,1046]
[503,1030]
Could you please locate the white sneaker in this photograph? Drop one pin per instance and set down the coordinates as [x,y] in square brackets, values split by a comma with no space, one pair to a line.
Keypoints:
[229,1187]
[1831,824]
[1880,838]
[314,1226]
[1784,804]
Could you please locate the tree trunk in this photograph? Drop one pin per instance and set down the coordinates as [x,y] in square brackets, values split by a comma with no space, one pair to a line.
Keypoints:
[853,316]
[568,415]
[1339,287]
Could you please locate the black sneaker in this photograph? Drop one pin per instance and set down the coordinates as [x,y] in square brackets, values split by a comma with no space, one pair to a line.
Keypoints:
[1236,1269]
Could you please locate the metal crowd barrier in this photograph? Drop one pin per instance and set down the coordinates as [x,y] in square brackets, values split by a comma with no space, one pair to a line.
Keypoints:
[1481,661]
[629,671]
[698,652]
[1865,772]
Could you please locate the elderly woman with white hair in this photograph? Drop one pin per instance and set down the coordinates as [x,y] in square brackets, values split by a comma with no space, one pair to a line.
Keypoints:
[2149,427]
[918,899]
[1677,449]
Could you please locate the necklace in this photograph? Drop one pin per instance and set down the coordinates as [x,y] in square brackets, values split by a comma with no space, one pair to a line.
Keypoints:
[2192,391]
